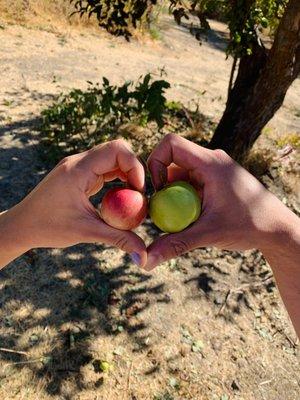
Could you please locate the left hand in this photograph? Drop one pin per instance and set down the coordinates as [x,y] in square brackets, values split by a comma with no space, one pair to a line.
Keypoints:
[58,213]
[238,212]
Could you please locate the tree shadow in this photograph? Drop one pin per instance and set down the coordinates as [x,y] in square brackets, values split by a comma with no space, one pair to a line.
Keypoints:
[213,37]
[229,280]
[18,97]
[90,292]
[20,167]
[75,294]
[84,300]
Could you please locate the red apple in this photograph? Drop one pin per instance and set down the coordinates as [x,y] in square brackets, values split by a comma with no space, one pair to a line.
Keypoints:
[123,208]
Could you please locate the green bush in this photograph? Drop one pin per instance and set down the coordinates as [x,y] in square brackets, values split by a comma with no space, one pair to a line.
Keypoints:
[81,119]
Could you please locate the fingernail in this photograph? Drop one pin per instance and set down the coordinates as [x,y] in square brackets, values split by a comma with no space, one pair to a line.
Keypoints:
[136,258]
[152,262]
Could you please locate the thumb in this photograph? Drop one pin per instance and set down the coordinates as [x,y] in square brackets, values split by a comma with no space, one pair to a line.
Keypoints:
[173,245]
[127,241]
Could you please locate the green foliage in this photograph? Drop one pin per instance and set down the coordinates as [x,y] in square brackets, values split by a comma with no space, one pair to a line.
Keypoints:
[174,105]
[154,32]
[116,16]
[244,18]
[292,139]
[81,119]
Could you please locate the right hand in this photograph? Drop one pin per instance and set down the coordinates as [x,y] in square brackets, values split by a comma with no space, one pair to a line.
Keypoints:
[238,213]
[58,212]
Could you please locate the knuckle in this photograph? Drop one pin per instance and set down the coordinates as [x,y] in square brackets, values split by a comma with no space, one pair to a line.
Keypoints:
[179,247]
[221,154]
[64,165]
[66,159]
[171,137]
[151,163]
[120,143]
[63,161]
[221,157]
[121,242]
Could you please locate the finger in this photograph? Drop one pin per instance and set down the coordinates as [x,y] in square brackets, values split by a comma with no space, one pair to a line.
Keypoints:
[133,169]
[182,152]
[173,245]
[99,231]
[176,173]
[108,177]
[111,156]
[117,174]
[97,186]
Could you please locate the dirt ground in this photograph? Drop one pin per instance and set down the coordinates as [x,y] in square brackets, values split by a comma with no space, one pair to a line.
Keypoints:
[209,325]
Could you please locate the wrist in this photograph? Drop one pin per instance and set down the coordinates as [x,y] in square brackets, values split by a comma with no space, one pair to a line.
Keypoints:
[14,237]
[284,234]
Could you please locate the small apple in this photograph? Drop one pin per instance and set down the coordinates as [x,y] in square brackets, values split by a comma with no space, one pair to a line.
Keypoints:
[123,208]
[175,207]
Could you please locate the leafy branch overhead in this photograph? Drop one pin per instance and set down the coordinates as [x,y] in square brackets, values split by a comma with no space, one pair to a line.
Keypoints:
[244,17]
[118,17]
[264,40]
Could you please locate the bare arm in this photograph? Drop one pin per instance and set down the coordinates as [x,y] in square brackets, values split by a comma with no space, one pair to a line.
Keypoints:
[11,234]
[239,213]
[283,255]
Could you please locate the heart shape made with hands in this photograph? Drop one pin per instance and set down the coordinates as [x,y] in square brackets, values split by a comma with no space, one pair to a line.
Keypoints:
[173,159]
[232,199]
[125,208]
[58,213]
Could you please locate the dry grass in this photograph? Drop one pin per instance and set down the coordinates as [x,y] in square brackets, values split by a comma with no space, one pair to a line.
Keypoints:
[50,15]
[259,161]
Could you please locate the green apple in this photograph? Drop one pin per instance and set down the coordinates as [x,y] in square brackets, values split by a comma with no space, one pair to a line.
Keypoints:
[175,207]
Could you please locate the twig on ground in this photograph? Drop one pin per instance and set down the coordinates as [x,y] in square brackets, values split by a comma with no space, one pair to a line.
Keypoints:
[241,289]
[188,117]
[128,381]
[23,353]
[266,382]
[24,362]
[293,343]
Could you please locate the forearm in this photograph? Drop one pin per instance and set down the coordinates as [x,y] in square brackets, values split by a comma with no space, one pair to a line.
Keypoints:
[283,256]
[12,237]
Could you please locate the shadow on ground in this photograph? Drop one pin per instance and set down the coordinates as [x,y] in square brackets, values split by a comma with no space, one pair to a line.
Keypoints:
[83,296]
[213,37]
[84,300]
[228,280]
[87,291]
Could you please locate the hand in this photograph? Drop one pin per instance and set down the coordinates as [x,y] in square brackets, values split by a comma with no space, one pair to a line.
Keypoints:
[58,213]
[238,213]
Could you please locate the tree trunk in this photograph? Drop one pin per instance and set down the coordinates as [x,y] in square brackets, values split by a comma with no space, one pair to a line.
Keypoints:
[260,87]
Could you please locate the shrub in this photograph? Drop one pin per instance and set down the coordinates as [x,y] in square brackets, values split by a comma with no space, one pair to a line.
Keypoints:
[81,119]
[292,139]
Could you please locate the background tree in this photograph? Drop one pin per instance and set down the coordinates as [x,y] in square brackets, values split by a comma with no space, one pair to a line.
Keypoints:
[264,73]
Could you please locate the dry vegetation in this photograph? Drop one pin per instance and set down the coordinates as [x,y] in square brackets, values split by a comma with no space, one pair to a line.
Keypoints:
[208,326]
[52,15]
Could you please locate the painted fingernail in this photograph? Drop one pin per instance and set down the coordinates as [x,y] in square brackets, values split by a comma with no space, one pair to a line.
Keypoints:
[136,258]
